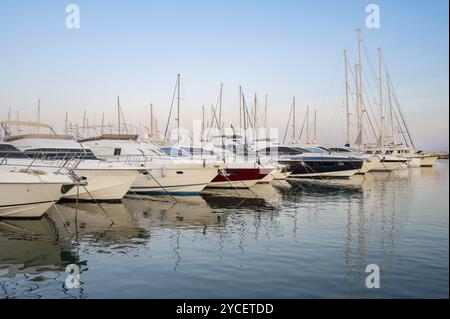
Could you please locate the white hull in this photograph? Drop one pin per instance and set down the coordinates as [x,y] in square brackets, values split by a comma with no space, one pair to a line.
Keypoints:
[428,161]
[193,179]
[270,177]
[338,174]
[414,162]
[104,184]
[388,166]
[369,164]
[27,200]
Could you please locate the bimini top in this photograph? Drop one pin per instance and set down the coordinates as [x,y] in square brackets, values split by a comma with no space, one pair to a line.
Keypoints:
[115,137]
[37,136]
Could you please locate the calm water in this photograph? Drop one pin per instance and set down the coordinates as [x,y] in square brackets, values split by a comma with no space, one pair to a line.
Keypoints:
[302,241]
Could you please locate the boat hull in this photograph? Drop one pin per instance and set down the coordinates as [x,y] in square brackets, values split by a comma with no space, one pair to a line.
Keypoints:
[428,161]
[179,180]
[103,184]
[323,169]
[238,177]
[31,200]
[388,165]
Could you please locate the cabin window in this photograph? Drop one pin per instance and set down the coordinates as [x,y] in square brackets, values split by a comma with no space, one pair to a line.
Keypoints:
[117,151]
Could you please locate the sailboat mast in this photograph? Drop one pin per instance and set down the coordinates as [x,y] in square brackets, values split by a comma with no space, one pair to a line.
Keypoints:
[103,123]
[118,112]
[220,107]
[347,113]
[151,120]
[265,113]
[315,126]
[381,102]
[178,107]
[307,125]
[293,120]
[66,123]
[203,123]
[39,114]
[391,110]
[361,113]
[240,106]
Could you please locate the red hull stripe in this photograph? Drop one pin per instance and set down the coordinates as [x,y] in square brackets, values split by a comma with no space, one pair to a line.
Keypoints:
[241,174]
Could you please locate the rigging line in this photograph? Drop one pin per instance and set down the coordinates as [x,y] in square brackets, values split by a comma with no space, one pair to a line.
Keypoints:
[287,126]
[301,131]
[373,114]
[170,111]
[403,118]
[334,74]
[212,117]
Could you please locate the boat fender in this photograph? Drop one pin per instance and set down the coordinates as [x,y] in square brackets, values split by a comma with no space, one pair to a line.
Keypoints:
[163,172]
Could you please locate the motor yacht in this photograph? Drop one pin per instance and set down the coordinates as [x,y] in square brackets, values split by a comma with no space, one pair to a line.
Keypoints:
[27,190]
[106,181]
[161,173]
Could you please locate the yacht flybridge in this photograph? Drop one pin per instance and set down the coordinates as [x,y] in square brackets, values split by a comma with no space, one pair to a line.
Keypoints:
[105,180]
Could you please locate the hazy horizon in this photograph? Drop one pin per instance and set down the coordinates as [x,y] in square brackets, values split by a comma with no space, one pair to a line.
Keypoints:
[284,49]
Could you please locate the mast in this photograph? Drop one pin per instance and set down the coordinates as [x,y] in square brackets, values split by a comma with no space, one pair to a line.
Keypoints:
[358,109]
[315,126]
[255,113]
[391,110]
[265,113]
[84,122]
[293,120]
[178,107]
[347,114]
[203,123]
[240,107]
[220,107]
[381,102]
[151,120]
[118,112]
[103,122]
[307,125]
[66,124]
[361,112]
[39,113]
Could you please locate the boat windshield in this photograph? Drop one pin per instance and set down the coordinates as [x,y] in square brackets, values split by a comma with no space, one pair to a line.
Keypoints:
[9,151]
[197,151]
[175,152]
[314,149]
[61,153]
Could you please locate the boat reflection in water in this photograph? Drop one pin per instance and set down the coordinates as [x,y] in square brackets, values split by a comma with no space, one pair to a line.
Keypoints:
[155,212]
[159,244]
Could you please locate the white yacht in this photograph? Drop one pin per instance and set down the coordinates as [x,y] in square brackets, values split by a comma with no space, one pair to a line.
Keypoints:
[105,180]
[26,190]
[162,174]
[235,172]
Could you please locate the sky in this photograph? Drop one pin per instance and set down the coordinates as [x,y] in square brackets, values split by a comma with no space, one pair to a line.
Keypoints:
[284,49]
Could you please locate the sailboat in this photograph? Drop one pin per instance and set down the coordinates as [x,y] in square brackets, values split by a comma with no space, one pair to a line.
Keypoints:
[391,155]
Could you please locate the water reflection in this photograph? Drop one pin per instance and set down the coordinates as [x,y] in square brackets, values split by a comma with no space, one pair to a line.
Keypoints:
[336,226]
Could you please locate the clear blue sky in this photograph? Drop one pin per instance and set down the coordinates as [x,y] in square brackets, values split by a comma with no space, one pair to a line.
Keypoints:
[282,48]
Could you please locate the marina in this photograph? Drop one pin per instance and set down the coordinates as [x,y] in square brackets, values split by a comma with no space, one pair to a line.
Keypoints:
[224,151]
